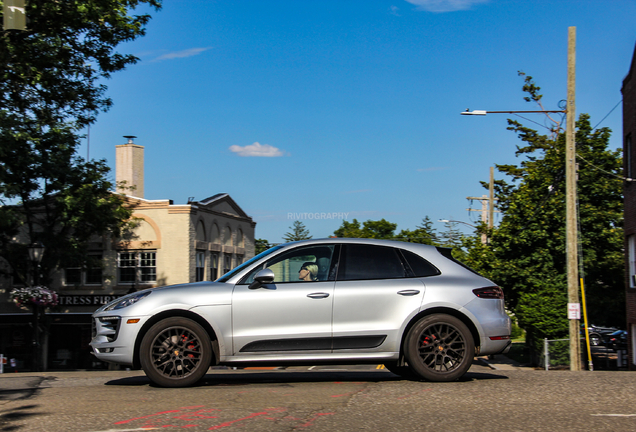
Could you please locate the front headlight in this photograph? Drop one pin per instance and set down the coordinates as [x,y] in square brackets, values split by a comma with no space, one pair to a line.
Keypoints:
[127,301]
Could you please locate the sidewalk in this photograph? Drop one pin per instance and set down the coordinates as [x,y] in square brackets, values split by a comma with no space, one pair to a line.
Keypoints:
[501,362]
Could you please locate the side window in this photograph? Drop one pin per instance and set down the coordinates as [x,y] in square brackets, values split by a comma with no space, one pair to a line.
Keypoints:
[419,266]
[311,263]
[360,262]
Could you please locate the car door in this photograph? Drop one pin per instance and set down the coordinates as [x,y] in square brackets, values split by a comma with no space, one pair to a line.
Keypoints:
[374,298]
[289,315]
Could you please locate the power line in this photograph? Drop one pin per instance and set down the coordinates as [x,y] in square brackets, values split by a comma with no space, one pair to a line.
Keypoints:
[611,111]
[627,179]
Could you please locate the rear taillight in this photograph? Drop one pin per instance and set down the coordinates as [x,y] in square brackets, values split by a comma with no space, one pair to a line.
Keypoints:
[493,292]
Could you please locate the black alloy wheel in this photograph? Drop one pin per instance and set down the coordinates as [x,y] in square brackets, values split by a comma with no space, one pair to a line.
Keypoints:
[176,352]
[439,347]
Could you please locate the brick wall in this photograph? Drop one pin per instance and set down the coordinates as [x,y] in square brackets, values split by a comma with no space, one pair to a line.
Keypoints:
[629,165]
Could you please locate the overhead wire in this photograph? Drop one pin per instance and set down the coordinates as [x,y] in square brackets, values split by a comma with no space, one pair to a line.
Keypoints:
[607,115]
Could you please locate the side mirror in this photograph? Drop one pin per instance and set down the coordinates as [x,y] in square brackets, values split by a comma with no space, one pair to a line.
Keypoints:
[263,277]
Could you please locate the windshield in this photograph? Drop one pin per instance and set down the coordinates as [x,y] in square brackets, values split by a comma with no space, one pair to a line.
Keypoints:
[236,270]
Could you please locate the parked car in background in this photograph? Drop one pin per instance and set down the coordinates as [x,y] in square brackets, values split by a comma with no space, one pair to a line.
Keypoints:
[599,335]
[617,340]
[408,306]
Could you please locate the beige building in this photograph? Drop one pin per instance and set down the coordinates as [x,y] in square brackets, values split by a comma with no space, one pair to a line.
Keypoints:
[170,244]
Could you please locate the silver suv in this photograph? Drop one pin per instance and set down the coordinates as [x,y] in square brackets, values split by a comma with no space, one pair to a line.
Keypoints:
[409,306]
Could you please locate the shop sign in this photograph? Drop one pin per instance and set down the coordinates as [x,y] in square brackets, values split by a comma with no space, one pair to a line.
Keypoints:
[85,299]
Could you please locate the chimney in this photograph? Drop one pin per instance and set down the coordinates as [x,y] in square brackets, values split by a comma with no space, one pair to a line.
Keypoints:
[130,167]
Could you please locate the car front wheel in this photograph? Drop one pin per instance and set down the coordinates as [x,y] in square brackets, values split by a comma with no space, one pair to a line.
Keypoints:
[176,352]
[439,347]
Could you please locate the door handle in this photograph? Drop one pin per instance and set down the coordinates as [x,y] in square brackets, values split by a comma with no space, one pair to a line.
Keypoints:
[318,295]
[409,292]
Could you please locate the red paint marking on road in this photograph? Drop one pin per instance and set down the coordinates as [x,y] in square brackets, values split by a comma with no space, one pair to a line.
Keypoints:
[231,422]
[148,416]
[344,394]
[311,421]
[196,415]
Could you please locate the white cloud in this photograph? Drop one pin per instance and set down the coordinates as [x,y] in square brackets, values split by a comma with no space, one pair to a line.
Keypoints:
[257,150]
[445,5]
[182,54]
[395,10]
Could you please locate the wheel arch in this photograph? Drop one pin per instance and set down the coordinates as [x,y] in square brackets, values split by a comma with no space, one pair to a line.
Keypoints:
[447,311]
[170,314]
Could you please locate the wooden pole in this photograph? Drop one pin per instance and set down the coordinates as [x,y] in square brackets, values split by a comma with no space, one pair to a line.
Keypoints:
[570,203]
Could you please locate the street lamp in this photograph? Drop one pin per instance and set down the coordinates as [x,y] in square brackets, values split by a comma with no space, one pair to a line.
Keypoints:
[456,221]
[36,251]
[484,112]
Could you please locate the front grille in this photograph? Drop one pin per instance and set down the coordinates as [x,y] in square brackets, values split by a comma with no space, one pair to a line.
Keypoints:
[110,327]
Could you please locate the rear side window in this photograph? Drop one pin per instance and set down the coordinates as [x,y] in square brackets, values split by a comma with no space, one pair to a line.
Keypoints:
[419,266]
[361,262]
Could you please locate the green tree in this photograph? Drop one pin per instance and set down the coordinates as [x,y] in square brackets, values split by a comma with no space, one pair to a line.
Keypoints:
[526,254]
[423,233]
[261,245]
[298,232]
[381,229]
[49,91]
[452,237]
[349,229]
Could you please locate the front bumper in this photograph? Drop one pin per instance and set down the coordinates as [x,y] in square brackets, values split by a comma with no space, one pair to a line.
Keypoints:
[114,337]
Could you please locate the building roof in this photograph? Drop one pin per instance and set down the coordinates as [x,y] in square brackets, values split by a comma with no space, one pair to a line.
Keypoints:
[632,69]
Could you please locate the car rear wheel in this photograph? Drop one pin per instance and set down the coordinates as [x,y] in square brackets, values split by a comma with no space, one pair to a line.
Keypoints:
[439,347]
[176,352]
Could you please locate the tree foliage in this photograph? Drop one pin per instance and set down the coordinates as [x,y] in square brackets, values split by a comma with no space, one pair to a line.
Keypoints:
[261,245]
[423,233]
[49,91]
[381,229]
[527,251]
[298,232]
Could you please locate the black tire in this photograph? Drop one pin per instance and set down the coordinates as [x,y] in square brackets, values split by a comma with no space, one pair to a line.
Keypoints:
[176,352]
[439,348]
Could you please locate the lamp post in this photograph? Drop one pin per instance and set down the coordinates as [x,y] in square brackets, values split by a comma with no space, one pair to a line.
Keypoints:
[456,221]
[571,233]
[36,251]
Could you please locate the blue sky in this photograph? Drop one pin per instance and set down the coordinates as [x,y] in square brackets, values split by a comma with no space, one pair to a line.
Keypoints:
[319,110]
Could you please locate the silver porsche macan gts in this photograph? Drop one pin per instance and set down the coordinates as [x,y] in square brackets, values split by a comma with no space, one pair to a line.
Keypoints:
[409,306]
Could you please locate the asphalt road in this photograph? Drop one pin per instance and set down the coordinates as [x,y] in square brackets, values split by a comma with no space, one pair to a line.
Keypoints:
[346,398]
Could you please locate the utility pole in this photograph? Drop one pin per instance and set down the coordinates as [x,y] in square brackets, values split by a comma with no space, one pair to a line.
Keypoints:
[491,198]
[487,205]
[571,233]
